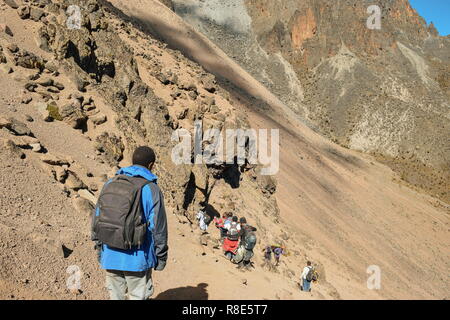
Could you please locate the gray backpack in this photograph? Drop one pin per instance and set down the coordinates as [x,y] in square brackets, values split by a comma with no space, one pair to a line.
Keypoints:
[119,223]
[310,274]
[250,241]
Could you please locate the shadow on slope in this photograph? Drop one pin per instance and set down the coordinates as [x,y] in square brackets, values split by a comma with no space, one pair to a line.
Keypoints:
[185,293]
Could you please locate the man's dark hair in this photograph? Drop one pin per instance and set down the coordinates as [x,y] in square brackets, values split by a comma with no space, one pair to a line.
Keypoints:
[243,220]
[308,263]
[143,156]
[235,219]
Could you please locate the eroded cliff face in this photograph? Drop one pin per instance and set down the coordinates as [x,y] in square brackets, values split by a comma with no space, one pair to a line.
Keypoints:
[384,92]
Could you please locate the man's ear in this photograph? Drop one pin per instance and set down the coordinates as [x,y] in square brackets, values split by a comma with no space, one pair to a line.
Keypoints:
[150,166]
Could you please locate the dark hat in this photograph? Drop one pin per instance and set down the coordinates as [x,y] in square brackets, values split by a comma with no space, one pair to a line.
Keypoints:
[143,156]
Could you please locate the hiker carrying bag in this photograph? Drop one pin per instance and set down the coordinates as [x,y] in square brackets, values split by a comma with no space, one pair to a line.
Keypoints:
[310,274]
[233,233]
[250,241]
[119,223]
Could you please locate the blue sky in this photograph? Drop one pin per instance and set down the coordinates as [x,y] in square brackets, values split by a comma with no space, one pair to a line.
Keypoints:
[436,11]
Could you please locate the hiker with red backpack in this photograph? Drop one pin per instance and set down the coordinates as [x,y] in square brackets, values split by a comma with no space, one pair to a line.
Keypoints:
[231,242]
[130,229]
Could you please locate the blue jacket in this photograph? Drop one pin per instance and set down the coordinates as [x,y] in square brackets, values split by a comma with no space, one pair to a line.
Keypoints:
[153,253]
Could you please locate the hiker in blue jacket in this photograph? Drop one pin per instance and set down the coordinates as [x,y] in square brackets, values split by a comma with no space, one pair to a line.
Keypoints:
[129,271]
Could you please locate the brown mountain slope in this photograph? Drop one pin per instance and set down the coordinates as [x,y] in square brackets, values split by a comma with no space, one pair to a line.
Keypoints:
[383,92]
[343,210]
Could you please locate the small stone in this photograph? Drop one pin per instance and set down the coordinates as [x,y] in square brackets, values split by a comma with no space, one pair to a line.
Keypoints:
[13,48]
[86,194]
[23,12]
[193,95]
[45,82]
[61,173]
[73,182]
[17,127]
[175,94]
[83,206]
[89,107]
[31,86]
[98,119]
[93,187]
[10,146]
[6,69]
[36,147]
[58,85]
[27,100]
[214,109]
[5,29]
[54,160]
[11,3]
[51,66]
[36,14]
[29,118]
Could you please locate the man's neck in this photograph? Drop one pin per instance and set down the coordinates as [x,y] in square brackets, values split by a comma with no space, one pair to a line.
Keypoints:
[138,165]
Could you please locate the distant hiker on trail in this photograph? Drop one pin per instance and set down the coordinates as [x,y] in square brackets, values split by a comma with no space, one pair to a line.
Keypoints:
[245,229]
[277,252]
[244,253]
[231,242]
[308,275]
[228,220]
[267,257]
[202,220]
[220,224]
[130,228]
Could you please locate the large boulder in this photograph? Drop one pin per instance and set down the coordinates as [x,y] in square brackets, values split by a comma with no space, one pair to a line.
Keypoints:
[28,60]
[73,116]
[15,126]
[11,3]
[111,146]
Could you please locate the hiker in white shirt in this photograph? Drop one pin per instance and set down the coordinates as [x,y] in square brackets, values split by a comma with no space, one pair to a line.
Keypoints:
[306,284]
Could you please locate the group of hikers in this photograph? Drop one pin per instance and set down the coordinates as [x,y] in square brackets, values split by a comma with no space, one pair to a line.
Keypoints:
[238,239]
[129,228]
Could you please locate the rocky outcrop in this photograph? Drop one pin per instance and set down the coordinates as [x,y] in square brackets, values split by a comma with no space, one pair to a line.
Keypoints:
[95,58]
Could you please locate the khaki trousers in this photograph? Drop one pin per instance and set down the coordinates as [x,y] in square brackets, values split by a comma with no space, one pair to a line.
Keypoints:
[135,285]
